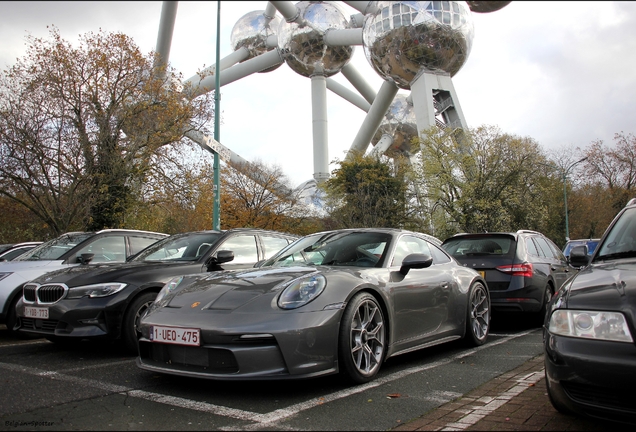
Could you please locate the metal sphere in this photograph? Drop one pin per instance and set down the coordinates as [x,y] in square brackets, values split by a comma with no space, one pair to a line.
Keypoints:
[401,38]
[251,31]
[486,6]
[302,41]
[400,124]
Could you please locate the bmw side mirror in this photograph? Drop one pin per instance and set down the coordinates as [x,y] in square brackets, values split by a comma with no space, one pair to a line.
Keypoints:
[220,257]
[579,256]
[415,261]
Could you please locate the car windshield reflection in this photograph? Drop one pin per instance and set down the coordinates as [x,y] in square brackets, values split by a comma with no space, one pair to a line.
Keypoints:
[357,249]
[620,242]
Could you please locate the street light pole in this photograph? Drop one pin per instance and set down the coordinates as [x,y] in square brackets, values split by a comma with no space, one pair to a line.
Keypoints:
[565,196]
[216,211]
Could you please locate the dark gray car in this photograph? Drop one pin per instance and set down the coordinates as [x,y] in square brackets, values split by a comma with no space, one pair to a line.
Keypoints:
[523,269]
[338,301]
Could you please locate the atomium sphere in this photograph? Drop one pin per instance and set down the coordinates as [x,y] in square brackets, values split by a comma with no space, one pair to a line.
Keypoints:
[302,41]
[251,31]
[401,38]
[399,123]
[486,6]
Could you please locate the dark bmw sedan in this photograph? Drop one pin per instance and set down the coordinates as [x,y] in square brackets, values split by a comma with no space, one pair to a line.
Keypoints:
[107,301]
[590,355]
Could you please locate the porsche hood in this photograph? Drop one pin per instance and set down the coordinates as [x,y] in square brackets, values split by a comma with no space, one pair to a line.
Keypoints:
[232,290]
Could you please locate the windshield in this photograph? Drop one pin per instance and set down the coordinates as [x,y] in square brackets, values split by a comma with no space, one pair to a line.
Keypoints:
[350,248]
[54,249]
[620,241]
[180,247]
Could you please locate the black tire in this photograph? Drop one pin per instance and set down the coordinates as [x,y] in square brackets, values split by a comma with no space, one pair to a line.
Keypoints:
[539,318]
[12,317]
[478,315]
[135,311]
[362,341]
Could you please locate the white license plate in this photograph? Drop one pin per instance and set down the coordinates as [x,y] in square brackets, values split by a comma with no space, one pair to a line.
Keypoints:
[36,312]
[175,335]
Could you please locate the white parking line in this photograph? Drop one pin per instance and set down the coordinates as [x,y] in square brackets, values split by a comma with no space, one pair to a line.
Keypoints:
[260,420]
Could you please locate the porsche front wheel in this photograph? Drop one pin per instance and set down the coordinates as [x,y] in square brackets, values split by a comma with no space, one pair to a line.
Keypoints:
[362,339]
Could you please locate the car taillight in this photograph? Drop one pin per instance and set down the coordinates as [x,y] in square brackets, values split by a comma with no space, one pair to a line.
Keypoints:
[517,269]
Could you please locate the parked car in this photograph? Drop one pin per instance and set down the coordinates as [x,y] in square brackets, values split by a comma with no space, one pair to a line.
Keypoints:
[340,301]
[523,269]
[590,243]
[68,250]
[590,356]
[16,250]
[106,301]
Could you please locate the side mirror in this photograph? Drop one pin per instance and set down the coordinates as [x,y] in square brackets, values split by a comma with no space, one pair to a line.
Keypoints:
[579,256]
[85,258]
[220,257]
[415,261]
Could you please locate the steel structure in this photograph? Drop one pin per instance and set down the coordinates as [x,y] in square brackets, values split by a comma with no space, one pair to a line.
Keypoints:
[413,45]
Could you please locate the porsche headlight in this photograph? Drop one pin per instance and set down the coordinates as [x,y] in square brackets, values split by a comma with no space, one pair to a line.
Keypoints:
[167,292]
[590,325]
[97,290]
[301,291]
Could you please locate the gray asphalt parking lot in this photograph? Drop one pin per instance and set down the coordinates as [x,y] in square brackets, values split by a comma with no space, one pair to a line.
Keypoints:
[515,400]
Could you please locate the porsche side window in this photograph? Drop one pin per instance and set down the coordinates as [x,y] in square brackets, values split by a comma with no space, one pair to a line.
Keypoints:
[408,245]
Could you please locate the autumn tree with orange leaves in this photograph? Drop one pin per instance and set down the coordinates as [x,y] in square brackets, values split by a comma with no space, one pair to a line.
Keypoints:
[82,129]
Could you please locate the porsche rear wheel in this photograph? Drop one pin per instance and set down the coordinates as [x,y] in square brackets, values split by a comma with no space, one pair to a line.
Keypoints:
[362,339]
[478,319]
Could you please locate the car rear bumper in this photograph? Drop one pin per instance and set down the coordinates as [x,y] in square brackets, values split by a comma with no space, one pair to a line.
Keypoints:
[592,377]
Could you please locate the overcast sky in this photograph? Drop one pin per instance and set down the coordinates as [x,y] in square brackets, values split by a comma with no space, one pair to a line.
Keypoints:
[562,73]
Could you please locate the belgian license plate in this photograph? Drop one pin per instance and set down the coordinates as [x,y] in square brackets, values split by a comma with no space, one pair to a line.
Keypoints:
[482,273]
[176,335]
[36,312]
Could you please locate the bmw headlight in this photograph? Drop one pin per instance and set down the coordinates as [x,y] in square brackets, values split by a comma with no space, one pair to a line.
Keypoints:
[590,325]
[167,292]
[301,291]
[97,290]
[5,274]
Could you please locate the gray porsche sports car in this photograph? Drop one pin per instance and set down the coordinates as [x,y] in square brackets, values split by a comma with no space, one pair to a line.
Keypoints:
[338,301]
